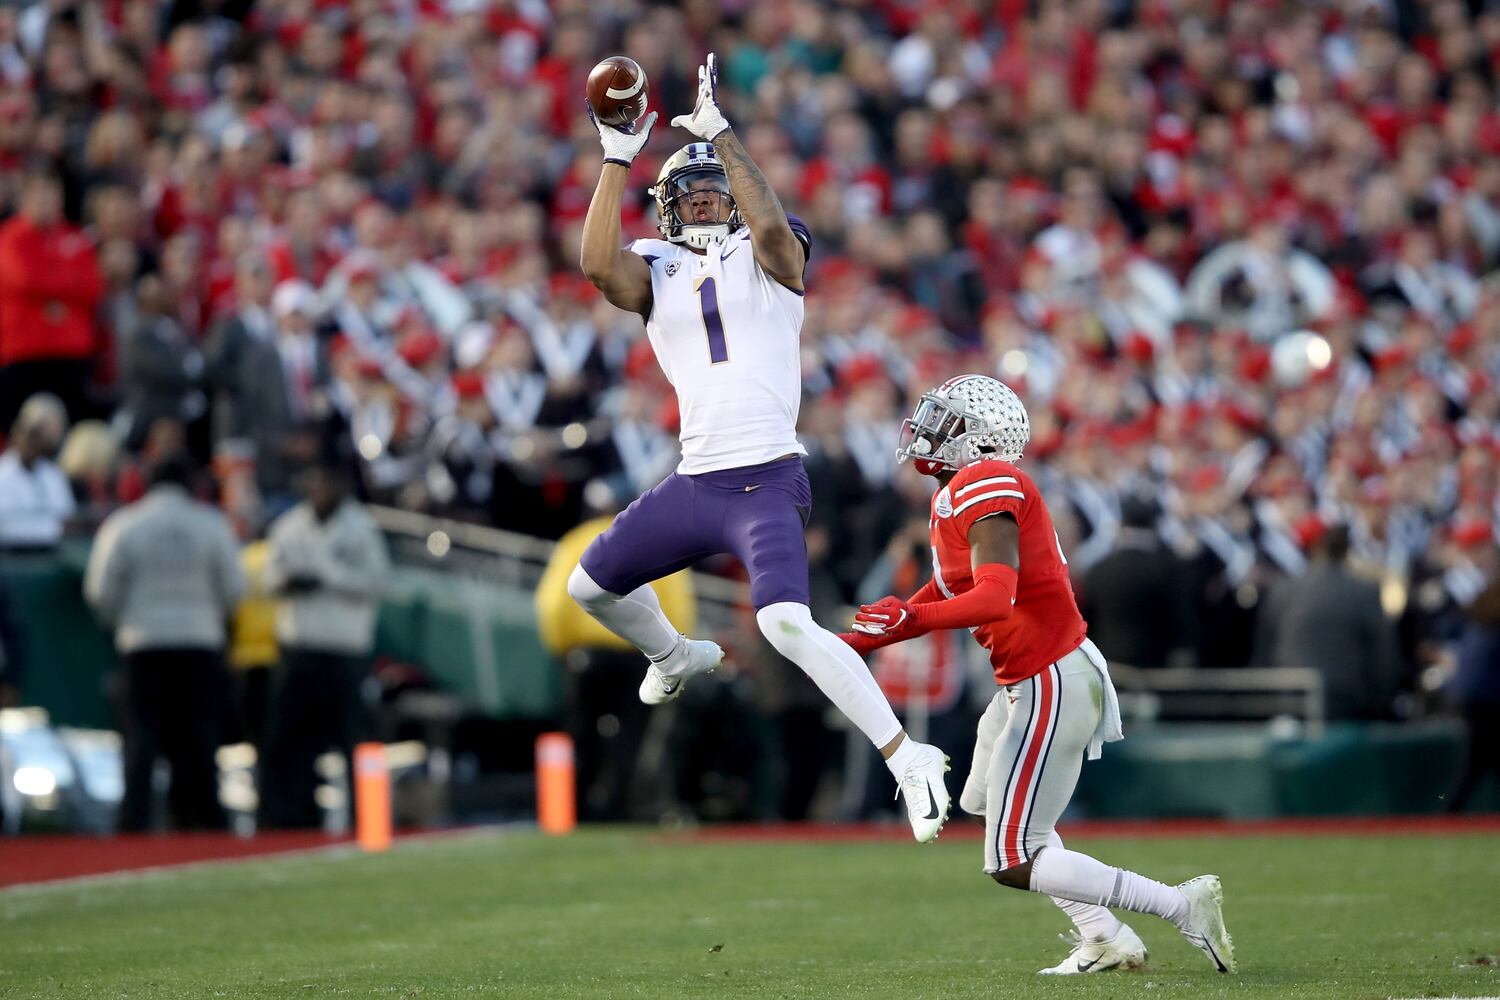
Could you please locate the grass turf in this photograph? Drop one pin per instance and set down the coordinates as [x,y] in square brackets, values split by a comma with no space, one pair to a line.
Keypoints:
[622,913]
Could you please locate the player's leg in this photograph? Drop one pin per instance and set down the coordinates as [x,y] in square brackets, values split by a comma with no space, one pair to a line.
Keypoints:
[1095,925]
[1032,776]
[764,528]
[654,537]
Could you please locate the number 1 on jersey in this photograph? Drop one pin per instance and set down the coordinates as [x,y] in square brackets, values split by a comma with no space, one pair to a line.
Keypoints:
[708,301]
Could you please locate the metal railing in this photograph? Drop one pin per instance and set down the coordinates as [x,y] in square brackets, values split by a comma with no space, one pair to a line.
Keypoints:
[510,559]
[1248,693]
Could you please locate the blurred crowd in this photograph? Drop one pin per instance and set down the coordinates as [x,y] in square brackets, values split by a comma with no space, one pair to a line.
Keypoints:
[1236,257]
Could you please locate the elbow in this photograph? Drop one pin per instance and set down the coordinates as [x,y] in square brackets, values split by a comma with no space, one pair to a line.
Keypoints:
[594,268]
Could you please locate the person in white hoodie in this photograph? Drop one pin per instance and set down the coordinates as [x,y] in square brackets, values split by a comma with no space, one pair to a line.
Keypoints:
[328,564]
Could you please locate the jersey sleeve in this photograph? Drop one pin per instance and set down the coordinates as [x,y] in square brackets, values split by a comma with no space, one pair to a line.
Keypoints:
[803,234]
[647,248]
[990,491]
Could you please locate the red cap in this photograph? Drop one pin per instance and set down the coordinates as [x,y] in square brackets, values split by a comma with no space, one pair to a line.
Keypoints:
[1391,357]
[1471,532]
[1205,478]
[1255,363]
[860,370]
[468,385]
[1462,339]
[1138,347]
[1308,531]
[419,347]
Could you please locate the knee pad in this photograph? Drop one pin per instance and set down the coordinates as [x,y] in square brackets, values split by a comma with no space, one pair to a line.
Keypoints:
[583,589]
[785,626]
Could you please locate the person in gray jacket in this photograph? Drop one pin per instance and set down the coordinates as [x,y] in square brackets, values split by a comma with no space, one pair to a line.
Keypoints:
[1332,621]
[165,575]
[328,563]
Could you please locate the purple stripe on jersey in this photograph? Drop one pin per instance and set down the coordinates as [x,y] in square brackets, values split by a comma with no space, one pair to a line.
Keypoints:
[708,297]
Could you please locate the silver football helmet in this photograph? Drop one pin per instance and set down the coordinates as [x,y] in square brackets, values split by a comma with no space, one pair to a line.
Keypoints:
[694,169]
[963,420]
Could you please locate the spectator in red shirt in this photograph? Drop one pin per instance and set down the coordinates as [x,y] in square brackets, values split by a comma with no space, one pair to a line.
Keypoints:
[50,286]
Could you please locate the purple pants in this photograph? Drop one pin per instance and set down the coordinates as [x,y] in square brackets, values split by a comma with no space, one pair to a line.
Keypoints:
[756,513]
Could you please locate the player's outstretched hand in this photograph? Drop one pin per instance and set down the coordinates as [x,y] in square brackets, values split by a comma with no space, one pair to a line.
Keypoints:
[889,617]
[706,121]
[621,145]
[862,644]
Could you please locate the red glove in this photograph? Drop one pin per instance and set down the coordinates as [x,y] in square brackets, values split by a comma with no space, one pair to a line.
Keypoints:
[862,644]
[888,617]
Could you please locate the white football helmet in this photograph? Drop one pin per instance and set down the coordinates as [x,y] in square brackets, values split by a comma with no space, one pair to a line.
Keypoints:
[963,420]
[693,168]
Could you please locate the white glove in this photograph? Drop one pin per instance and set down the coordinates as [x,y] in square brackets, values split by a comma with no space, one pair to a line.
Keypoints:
[621,145]
[706,121]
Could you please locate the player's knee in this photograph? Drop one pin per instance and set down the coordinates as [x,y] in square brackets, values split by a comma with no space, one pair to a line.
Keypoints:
[1014,877]
[583,589]
[784,625]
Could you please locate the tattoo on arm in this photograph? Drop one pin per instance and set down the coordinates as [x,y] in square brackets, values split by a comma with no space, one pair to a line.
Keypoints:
[777,249]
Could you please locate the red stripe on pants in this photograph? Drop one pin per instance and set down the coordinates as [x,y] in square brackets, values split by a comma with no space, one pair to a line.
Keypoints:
[1033,751]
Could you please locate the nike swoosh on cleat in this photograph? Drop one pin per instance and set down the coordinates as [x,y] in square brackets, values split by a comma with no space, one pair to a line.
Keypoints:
[932,811]
[1084,967]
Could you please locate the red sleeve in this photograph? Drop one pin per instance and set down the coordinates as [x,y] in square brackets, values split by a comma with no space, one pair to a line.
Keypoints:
[28,270]
[927,594]
[990,600]
[997,491]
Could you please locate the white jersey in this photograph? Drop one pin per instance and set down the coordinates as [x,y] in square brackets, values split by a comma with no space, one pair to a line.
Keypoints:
[726,334]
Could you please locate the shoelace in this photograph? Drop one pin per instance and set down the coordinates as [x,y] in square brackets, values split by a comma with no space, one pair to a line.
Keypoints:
[913,782]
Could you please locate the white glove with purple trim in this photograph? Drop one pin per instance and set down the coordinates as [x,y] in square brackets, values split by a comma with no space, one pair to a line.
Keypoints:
[706,121]
[621,145]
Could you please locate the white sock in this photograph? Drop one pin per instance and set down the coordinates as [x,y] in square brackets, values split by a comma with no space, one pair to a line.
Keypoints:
[1094,922]
[1066,874]
[834,667]
[901,758]
[637,617]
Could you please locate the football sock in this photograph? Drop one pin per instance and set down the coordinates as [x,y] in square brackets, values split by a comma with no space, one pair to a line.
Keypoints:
[903,756]
[1094,922]
[836,669]
[637,617]
[1066,874]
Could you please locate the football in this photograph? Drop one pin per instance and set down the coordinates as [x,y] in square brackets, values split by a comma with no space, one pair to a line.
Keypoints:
[617,90]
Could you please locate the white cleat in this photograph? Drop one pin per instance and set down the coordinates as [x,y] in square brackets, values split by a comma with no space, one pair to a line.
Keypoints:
[926,794]
[1204,928]
[1124,951]
[664,681]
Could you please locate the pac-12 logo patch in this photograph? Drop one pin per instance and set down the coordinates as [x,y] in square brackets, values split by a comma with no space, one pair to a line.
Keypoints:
[672,266]
[944,505]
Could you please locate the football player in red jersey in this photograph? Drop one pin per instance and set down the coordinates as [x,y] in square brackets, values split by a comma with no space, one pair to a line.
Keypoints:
[999,571]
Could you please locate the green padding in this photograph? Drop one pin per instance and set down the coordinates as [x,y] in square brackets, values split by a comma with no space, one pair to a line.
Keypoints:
[69,658]
[1206,771]
[477,641]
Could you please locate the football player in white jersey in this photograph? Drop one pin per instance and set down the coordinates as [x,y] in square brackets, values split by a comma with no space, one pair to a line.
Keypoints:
[721,294]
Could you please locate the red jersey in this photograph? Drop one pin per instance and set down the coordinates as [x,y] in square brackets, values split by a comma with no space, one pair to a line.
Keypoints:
[1045,625]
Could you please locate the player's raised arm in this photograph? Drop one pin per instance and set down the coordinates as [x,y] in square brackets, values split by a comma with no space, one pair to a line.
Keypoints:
[623,277]
[777,248]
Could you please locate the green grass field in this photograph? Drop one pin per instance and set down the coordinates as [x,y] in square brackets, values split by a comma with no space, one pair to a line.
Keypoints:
[614,913]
